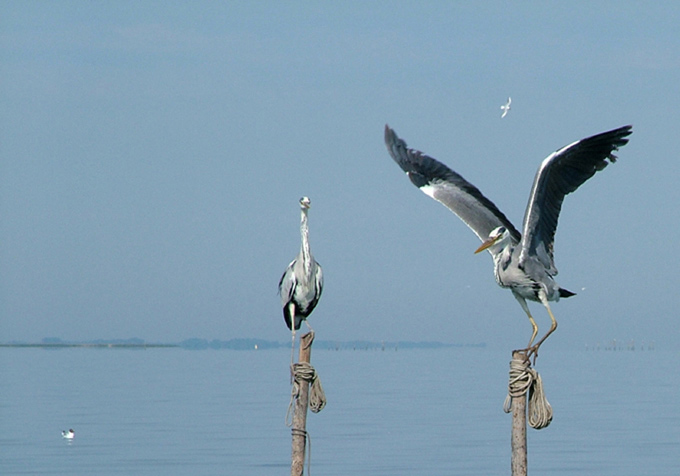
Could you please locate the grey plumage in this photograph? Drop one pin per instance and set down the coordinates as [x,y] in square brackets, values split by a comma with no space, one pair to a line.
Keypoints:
[522,262]
[301,284]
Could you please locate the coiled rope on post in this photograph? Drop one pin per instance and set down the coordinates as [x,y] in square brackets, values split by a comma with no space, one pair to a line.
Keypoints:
[303,371]
[522,379]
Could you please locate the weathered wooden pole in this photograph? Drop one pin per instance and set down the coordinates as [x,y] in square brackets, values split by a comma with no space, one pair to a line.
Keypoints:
[519,428]
[299,428]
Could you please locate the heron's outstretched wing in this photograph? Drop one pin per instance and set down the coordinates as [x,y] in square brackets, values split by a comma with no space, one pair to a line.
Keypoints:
[447,187]
[559,174]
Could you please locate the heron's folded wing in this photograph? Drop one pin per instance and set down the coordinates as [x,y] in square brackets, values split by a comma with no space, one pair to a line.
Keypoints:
[318,284]
[287,284]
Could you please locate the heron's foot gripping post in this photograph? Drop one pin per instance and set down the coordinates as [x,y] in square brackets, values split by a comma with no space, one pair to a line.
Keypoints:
[525,354]
[531,351]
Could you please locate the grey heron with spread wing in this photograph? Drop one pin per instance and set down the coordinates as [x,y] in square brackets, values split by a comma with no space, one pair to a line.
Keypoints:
[523,261]
[302,282]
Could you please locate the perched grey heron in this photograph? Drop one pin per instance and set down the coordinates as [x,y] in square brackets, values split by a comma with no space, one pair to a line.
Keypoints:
[506,107]
[522,262]
[301,284]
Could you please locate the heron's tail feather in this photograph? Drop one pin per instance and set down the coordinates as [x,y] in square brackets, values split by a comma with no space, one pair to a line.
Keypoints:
[565,293]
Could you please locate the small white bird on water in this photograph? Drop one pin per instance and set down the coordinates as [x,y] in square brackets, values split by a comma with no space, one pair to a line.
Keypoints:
[506,107]
[69,435]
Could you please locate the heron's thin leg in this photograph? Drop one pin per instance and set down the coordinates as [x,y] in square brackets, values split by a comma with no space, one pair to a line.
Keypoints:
[523,303]
[553,326]
[308,326]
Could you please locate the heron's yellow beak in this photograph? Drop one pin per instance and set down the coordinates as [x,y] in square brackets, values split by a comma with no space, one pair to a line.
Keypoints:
[487,243]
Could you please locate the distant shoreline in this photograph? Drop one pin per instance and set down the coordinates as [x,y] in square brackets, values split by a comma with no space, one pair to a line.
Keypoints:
[233,344]
[101,346]
[262,345]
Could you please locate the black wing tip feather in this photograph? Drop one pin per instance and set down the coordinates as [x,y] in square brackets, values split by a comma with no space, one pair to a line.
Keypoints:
[620,139]
[391,139]
[398,150]
[620,135]
[614,138]
[420,168]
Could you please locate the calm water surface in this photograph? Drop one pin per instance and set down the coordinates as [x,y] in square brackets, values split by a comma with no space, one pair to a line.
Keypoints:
[406,412]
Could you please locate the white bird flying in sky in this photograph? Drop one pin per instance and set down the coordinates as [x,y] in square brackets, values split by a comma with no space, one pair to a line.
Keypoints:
[506,107]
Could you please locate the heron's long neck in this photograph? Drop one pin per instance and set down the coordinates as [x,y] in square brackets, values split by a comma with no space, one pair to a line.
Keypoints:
[501,260]
[304,234]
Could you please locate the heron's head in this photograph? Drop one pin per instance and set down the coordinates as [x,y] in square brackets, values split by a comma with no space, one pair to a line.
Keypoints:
[305,203]
[496,236]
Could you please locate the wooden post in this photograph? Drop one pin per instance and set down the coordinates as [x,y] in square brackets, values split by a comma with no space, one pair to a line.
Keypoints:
[519,428]
[299,428]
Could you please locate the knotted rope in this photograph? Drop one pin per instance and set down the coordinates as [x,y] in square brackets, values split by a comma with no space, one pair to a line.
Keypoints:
[303,371]
[522,379]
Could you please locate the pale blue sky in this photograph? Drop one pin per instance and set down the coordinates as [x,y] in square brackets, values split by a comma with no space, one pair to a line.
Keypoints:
[152,155]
